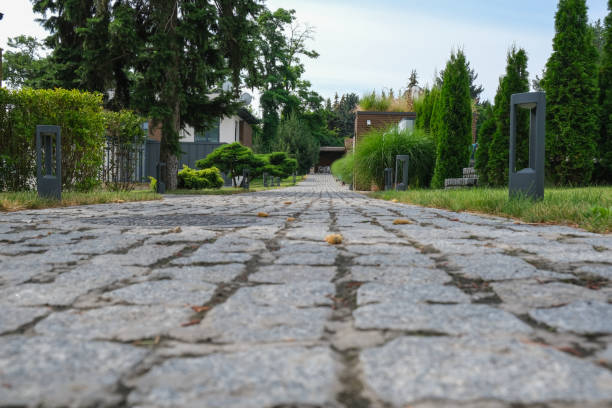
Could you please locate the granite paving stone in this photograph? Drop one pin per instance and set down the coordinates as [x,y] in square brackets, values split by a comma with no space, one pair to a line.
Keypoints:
[13,317]
[409,369]
[204,273]
[584,316]
[380,293]
[399,275]
[494,267]
[195,301]
[54,371]
[163,292]
[123,323]
[396,314]
[522,296]
[293,273]
[262,377]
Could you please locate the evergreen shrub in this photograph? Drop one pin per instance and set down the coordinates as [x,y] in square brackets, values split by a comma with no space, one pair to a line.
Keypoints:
[199,179]
[80,116]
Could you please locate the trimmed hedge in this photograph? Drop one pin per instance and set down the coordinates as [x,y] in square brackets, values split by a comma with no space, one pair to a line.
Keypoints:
[79,114]
[199,179]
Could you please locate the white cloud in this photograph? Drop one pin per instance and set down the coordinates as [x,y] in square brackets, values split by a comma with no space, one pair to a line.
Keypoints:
[362,49]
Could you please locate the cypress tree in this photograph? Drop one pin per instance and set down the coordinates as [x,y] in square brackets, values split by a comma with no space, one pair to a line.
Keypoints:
[485,135]
[454,123]
[571,89]
[604,165]
[516,80]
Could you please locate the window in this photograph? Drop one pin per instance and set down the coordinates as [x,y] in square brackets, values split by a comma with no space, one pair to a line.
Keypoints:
[210,135]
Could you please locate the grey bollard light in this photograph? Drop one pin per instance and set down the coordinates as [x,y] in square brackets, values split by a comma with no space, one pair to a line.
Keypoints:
[265,179]
[528,181]
[48,182]
[388,179]
[294,177]
[278,181]
[403,160]
[161,186]
[245,178]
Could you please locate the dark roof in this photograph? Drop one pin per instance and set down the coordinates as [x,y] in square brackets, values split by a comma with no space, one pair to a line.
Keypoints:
[386,113]
[332,149]
[247,116]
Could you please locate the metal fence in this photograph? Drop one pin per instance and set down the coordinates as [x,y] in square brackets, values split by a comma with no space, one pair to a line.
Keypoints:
[147,157]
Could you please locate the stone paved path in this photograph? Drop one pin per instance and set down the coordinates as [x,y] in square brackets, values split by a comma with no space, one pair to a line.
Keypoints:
[197,302]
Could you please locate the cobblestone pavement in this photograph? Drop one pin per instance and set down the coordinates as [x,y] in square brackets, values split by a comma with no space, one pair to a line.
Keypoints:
[198,302]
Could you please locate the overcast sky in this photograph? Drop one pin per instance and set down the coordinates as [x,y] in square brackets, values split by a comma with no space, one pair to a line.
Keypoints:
[367,45]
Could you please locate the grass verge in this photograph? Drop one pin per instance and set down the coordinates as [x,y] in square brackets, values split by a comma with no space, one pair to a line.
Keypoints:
[589,208]
[29,200]
[256,185]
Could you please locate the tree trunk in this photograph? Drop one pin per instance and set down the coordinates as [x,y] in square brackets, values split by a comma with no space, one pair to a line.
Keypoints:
[169,147]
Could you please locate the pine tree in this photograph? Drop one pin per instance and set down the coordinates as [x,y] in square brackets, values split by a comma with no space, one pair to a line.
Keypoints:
[64,19]
[516,80]
[454,125]
[604,165]
[572,93]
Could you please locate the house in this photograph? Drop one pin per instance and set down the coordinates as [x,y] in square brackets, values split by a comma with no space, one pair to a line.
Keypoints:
[368,120]
[229,129]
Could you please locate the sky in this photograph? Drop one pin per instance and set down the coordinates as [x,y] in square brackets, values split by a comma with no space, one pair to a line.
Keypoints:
[367,45]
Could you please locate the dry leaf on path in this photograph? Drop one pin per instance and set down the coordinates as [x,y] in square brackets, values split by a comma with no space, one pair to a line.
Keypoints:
[191,323]
[395,200]
[401,221]
[334,239]
[200,309]
[287,202]
[290,219]
[262,214]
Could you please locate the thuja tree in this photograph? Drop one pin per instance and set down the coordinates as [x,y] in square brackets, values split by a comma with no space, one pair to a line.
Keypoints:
[571,89]
[454,121]
[604,159]
[485,136]
[516,80]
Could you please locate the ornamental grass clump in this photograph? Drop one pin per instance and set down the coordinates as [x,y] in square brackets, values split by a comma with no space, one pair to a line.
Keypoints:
[378,149]
[385,103]
[343,168]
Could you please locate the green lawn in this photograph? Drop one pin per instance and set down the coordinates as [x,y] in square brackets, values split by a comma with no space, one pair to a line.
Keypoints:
[589,208]
[28,200]
[256,185]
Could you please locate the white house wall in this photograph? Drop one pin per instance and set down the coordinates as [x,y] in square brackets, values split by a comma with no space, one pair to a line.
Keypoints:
[187,134]
[227,132]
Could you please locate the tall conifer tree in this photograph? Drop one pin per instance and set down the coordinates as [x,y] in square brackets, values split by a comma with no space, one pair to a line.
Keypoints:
[485,136]
[604,167]
[571,89]
[516,80]
[454,121]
